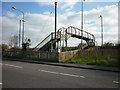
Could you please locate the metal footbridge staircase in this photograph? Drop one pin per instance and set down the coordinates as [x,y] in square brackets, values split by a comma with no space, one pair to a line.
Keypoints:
[62,35]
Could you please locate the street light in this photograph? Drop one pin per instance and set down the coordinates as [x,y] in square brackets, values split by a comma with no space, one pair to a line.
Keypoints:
[14,7]
[101,30]
[82,23]
[23,23]
[19,32]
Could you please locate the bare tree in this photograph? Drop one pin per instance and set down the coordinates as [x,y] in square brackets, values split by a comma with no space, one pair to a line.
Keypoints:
[13,41]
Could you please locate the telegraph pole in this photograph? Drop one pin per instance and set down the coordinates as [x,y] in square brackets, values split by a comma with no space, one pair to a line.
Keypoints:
[23,32]
[55,18]
[82,23]
[66,39]
[55,22]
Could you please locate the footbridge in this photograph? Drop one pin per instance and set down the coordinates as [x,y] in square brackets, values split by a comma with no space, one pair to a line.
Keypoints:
[62,35]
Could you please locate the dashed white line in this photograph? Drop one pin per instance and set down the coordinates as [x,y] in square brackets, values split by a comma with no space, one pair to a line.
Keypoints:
[0,83]
[49,71]
[13,65]
[72,75]
[116,82]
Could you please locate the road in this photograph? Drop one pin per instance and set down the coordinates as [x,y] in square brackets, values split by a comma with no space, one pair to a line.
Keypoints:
[30,75]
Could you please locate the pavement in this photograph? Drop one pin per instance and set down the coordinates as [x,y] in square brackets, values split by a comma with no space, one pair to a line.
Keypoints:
[93,67]
[16,74]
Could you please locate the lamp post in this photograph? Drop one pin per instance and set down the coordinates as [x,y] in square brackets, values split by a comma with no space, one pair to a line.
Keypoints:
[19,32]
[82,23]
[101,30]
[23,23]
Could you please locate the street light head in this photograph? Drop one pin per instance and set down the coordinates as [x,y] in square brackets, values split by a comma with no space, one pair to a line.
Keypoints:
[55,3]
[13,7]
[100,16]
[23,20]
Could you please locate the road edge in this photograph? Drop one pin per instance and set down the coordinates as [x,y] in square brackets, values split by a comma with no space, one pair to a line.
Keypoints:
[92,67]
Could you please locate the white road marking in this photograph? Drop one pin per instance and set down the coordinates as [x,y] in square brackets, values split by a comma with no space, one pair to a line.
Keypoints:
[0,83]
[71,75]
[49,71]
[115,82]
[13,65]
[62,73]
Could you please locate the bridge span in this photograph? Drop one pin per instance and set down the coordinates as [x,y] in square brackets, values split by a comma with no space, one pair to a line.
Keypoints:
[62,35]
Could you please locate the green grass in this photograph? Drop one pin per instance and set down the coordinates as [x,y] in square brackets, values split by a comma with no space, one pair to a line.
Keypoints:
[94,60]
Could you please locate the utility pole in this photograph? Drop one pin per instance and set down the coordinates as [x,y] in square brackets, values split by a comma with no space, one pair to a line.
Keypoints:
[82,23]
[55,18]
[101,30]
[55,23]
[23,31]
[66,39]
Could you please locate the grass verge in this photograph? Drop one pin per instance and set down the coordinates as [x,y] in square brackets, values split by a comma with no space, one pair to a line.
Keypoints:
[95,60]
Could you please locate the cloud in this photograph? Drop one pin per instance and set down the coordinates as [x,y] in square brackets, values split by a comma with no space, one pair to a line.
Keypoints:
[9,28]
[67,6]
[10,14]
[102,0]
[38,26]
[59,0]
[110,22]
[45,3]
[110,18]
[62,4]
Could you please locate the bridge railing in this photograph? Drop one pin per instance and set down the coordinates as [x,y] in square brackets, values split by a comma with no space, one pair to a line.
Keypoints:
[50,37]
[43,42]
[78,32]
[63,32]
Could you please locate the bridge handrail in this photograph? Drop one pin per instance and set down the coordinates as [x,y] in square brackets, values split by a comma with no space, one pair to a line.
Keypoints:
[43,40]
[62,33]
[78,30]
[48,38]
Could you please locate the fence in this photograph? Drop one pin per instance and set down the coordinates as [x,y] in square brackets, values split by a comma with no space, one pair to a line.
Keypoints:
[49,56]
[46,56]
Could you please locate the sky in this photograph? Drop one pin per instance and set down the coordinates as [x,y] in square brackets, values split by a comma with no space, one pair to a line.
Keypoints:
[39,19]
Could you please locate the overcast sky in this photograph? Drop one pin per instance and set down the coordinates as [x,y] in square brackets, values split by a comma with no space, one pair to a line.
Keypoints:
[39,19]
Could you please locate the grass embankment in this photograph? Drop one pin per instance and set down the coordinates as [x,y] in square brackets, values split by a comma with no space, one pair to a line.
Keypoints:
[94,60]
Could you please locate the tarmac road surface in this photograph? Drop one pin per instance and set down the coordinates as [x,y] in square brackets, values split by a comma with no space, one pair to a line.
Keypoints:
[17,74]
